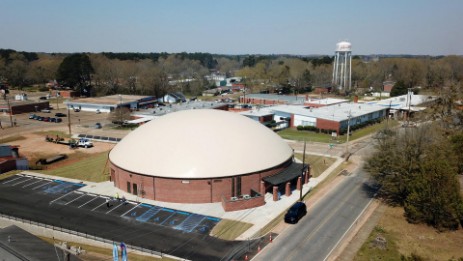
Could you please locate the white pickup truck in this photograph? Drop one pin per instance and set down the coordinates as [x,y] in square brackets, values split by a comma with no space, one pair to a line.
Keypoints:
[82,142]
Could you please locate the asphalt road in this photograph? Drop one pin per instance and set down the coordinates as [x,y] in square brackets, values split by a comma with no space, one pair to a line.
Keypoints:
[319,231]
[35,205]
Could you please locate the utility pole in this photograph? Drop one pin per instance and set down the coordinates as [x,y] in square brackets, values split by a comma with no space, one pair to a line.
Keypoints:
[69,121]
[348,134]
[9,110]
[57,99]
[302,171]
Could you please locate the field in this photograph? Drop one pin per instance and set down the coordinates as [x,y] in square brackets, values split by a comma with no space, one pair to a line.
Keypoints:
[408,239]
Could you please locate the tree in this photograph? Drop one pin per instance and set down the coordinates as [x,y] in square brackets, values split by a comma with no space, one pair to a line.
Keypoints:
[119,115]
[416,169]
[457,146]
[399,89]
[75,71]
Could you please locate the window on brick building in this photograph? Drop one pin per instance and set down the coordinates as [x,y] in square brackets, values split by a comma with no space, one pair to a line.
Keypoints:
[129,188]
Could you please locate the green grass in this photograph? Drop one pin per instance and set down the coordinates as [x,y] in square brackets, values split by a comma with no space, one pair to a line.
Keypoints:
[230,229]
[88,167]
[369,252]
[294,134]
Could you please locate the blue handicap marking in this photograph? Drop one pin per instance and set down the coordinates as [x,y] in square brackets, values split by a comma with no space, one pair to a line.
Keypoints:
[173,222]
[133,214]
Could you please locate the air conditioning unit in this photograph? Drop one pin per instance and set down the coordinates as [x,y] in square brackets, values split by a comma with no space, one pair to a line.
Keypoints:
[233,198]
[246,196]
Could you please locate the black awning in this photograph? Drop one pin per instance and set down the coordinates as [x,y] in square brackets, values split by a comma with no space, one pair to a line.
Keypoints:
[293,171]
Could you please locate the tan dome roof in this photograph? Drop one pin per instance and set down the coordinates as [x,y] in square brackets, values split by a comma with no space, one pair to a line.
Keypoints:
[196,144]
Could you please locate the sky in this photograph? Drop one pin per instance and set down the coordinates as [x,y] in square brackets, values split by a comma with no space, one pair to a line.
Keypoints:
[298,27]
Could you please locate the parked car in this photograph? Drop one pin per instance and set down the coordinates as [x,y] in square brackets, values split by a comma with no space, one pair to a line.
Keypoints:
[60,114]
[58,120]
[39,118]
[97,125]
[46,119]
[46,110]
[32,116]
[295,212]
[76,110]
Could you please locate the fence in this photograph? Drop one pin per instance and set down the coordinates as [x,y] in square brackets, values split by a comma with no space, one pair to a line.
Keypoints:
[82,235]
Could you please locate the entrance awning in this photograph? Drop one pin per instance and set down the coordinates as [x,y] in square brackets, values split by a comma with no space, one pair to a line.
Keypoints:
[293,171]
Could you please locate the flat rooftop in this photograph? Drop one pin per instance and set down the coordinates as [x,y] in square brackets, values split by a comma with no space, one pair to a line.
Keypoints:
[338,112]
[111,99]
[326,101]
[290,99]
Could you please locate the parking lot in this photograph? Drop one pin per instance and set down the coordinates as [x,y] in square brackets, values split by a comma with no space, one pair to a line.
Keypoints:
[60,203]
[145,213]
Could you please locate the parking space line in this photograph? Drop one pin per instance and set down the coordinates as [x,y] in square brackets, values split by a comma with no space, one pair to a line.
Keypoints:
[101,204]
[94,197]
[12,180]
[34,188]
[114,208]
[168,210]
[22,182]
[51,202]
[136,205]
[76,198]
[32,183]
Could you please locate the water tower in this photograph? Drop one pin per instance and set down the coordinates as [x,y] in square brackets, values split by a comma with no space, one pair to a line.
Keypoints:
[342,69]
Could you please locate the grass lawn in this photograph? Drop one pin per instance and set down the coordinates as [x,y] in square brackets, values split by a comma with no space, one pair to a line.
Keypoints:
[318,164]
[85,167]
[294,134]
[406,239]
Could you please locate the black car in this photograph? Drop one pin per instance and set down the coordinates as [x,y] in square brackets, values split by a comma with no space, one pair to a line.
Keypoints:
[60,114]
[295,212]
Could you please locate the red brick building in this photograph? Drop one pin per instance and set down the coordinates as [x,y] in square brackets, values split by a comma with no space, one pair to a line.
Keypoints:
[205,156]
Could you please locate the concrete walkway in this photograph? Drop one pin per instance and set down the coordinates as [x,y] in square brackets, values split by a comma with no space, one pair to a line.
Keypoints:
[259,217]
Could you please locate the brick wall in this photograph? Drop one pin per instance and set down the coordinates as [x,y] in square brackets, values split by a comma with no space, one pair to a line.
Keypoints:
[328,125]
[240,204]
[188,190]
[30,107]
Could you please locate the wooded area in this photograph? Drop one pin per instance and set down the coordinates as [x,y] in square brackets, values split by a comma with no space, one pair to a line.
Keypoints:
[417,168]
[97,74]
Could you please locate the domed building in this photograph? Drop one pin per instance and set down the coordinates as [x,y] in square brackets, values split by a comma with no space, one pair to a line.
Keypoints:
[204,156]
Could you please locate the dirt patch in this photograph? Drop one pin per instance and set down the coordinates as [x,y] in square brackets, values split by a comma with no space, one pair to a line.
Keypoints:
[34,146]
